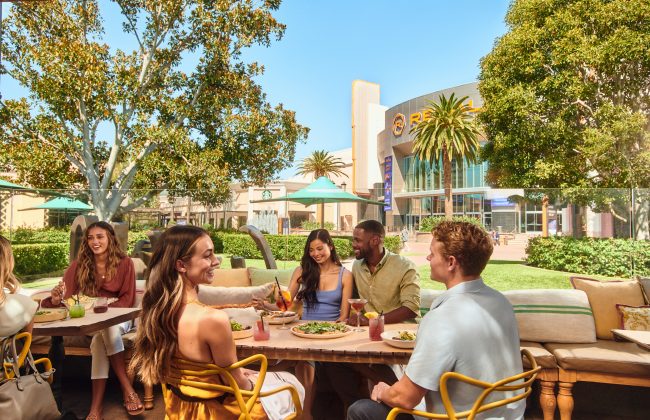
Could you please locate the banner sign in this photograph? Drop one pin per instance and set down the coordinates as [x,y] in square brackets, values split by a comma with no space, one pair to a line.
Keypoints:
[388,183]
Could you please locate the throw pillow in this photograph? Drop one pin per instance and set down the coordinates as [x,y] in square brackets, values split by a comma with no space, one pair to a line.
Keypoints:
[262,276]
[634,317]
[556,316]
[217,295]
[603,297]
[231,277]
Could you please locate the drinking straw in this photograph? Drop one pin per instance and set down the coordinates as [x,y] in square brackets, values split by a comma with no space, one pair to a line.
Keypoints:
[262,324]
[284,302]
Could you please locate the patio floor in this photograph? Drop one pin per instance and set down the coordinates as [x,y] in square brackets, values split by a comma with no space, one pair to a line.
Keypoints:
[592,401]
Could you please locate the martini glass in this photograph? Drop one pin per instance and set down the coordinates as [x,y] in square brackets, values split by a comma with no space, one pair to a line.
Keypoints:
[357,306]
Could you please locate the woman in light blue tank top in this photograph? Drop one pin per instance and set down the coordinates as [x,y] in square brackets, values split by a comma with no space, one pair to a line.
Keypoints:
[324,287]
[321,282]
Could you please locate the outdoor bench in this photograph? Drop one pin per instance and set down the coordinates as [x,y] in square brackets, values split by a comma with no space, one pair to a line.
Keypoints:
[569,336]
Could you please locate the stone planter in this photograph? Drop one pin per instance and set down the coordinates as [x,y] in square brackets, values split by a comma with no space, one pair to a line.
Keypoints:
[424,237]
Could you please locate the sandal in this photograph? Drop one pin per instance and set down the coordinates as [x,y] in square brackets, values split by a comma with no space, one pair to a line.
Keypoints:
[132,401]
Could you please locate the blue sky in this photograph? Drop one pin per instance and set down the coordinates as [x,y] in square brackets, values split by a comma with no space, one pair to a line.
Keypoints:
[408,48]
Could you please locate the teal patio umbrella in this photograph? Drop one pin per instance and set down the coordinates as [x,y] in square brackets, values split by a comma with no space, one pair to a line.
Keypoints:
[321,191]
[62,204]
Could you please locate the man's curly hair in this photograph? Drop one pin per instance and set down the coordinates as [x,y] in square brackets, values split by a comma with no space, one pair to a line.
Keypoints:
[468,243]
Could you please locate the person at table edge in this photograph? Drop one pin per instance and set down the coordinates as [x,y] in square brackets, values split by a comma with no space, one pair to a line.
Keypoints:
[389,282]
[463,322]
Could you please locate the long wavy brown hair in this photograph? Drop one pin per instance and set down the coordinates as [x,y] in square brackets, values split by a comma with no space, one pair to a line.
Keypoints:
[7,278]
[85,274]
[157,337]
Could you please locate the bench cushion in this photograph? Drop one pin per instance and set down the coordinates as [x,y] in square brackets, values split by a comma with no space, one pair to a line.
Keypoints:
[232,277]
[605,356]
[543,357]
[553,315]
[261,276]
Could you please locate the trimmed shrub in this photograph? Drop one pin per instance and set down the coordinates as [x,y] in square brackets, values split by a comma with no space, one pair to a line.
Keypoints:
[134,237]
[391,243]
[310,225]
[607,257]
[38,236]
[283,247]
[428,223]
[40,258]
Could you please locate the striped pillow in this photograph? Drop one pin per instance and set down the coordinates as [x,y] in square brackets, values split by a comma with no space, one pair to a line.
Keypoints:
[553,316]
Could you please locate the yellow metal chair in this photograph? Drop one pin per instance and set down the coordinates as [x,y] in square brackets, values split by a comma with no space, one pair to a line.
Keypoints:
[24,352]
[210,370]
[479,406]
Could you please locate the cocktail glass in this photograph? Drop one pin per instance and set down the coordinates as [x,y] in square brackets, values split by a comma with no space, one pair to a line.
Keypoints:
[284,302]
[357,305]
[375,328]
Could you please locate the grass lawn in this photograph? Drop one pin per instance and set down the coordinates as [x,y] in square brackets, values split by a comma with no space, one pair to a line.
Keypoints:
[501,275]
[511,275]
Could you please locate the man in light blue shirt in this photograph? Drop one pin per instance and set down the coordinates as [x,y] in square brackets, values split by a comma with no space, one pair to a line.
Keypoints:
[471,329]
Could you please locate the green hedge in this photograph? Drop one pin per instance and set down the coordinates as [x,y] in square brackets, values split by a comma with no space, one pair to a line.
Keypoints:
[286,247]
[607,257]
[40,258]
[428,223]
[38,236]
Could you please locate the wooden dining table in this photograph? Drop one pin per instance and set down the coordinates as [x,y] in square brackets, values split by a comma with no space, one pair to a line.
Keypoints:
[355,347]
[90,323]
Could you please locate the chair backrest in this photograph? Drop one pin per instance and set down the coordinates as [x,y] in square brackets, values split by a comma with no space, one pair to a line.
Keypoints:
[522,381]
[245,399]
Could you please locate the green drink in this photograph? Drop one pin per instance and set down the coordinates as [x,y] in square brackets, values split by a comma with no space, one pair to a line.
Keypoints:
[77,311]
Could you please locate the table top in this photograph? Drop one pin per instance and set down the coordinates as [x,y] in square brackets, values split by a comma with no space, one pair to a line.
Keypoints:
[86,325]
[642,338]
[355,347]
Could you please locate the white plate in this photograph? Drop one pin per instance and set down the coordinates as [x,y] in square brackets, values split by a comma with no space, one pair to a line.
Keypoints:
[279,317]
[387,336]
[295,331]
[238,335]
[50,314]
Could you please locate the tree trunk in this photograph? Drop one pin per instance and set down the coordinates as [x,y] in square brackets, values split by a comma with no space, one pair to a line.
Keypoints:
[545,217]
[446,169]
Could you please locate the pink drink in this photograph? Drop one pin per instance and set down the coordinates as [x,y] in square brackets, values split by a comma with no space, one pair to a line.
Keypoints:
[376,327]
[358,306]
[261,332]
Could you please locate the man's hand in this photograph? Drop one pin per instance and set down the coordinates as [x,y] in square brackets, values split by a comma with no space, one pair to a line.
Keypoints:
[378,390]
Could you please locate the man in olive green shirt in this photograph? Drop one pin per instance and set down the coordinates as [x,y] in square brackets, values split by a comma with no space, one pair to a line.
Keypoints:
[389,282]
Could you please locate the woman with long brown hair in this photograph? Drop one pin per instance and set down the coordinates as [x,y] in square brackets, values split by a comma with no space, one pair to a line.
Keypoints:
[102,269]
[176,326]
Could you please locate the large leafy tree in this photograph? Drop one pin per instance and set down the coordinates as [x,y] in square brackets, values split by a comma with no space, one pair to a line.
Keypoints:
[448,129]
[182,110]
[321,163]
[567,95]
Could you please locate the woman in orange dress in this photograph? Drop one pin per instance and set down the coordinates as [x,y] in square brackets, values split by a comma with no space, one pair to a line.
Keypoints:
[177,329]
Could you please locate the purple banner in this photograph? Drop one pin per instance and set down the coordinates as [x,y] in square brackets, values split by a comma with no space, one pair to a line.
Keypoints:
[388,183]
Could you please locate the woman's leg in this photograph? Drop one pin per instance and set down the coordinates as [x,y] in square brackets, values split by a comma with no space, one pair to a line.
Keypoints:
[98,375]
[112,338]
[305,373]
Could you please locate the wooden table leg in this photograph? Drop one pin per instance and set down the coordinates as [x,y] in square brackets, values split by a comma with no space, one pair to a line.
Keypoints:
[565,400]
[56,355]
[547,400]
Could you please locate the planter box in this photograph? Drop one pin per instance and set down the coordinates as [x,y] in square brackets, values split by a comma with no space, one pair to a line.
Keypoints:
[424,237]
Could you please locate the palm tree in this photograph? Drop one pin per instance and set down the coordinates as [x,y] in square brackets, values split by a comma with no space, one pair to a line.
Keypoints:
[447,129]
[321,163]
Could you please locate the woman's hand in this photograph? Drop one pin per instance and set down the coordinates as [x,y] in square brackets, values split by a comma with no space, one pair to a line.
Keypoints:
[57,293]
[262,304]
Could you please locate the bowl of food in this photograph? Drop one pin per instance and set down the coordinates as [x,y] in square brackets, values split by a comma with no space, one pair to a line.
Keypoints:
[240,331]
[402,339]
[321,329]
[279,317]
[49,315]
